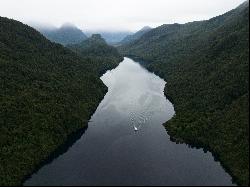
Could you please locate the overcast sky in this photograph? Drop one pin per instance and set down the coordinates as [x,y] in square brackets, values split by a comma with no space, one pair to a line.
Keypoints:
[114,14]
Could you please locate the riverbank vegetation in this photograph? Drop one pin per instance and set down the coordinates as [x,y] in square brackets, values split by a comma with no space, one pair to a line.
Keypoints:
[206,66]
[47,93]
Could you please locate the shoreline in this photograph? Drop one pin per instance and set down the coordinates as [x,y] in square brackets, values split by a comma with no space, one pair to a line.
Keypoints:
[205,148]
[71,138]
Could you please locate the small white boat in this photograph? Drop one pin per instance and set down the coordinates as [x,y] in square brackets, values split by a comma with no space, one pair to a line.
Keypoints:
[135,128]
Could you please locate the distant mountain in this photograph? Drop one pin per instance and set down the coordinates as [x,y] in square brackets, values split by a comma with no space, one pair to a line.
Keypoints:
[47,94]
[111,37]
[66,34]
[97,48]
[135,36]
[206,66]
[95,45]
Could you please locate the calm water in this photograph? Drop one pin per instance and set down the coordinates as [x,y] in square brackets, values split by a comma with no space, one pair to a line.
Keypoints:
[112,153]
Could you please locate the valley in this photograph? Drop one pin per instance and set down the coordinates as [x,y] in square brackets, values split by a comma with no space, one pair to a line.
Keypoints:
[164,104]
[122,156]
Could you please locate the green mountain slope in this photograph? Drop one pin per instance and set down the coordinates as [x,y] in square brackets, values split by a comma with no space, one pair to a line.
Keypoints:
[67,34]
[47,93]
[206,66]
[96,48]
[135,36]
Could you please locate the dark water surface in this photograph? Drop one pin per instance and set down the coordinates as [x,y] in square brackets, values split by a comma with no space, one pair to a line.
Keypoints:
[112,153]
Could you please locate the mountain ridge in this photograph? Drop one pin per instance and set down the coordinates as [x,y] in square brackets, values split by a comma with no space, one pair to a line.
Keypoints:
[111,37]
[135,36]
[97,48]
[66,34]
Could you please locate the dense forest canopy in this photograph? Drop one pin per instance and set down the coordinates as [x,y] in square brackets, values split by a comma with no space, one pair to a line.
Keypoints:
[47,93]
[49,90]
[206,66]
[96,48]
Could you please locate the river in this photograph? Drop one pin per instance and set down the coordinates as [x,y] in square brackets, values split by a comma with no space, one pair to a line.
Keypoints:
[111,152]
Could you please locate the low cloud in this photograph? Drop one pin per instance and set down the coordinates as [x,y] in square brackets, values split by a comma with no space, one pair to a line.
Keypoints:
[114,14]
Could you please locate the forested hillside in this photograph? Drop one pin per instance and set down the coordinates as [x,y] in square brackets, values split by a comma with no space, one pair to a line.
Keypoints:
[206,66]
[47,93]
[66,34]
[96,48]
[135,36]
[111,37]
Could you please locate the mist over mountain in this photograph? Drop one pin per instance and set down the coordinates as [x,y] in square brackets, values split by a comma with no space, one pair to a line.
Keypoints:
[53,80]
[66,34]
[136,35]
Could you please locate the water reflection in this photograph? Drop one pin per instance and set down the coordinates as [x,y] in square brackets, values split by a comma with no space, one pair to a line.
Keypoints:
[137,95]
[111,153]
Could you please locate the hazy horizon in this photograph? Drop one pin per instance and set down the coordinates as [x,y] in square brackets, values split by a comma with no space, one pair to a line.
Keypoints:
[113,15]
